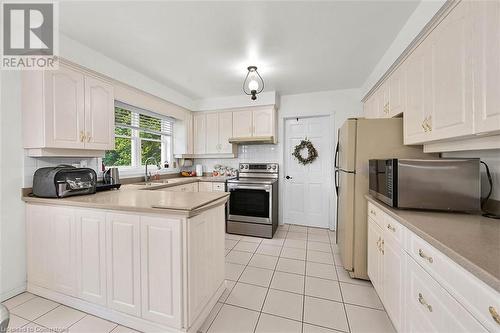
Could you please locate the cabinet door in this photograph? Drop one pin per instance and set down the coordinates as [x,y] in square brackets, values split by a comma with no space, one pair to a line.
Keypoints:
[99,115]
[397,91]
[452,84]
[487,66]
[418,94]
[63,251]
[212,130]
[199,133]
[374,255]
[205,263]
[205,187]
[39,240]
[242,124]
[64,108]
[263,122]
[123,262]
[392,272]
[161,270]
[225,132]
[91,255]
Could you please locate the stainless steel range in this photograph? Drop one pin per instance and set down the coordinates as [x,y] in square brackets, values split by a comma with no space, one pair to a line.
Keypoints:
[253,200]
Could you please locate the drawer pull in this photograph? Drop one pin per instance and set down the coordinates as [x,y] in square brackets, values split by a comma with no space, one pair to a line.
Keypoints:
[373,212]
[494,314]
[422,301]
[423,255]
[390,227]
[382,247]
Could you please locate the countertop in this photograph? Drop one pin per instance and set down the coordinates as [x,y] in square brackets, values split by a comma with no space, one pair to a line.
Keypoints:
[169,182]
[472,241]
[146,201]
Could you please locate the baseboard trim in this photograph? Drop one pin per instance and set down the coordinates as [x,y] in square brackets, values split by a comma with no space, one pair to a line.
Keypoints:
[102,312]
[13,292]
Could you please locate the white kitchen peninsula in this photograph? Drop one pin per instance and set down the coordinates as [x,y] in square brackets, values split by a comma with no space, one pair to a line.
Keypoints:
[149,260]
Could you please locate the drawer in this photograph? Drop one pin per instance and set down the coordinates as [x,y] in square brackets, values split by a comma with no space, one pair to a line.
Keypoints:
[219,187]
[393,228]
[426,301]
[472,293]
[376,214]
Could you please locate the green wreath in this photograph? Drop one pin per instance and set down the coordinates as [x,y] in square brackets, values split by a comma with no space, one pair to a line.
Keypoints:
[312,153]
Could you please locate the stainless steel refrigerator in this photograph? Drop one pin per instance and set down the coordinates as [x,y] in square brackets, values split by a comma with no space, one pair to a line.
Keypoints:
[360,140]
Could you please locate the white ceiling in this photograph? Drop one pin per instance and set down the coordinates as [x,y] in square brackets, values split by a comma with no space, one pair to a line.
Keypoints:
[202,49]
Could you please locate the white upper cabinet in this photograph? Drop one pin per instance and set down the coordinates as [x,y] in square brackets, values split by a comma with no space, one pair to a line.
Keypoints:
[418,95]
[225,132]
[263,122]
[255,124]
[452,76]
[447,86]
[486,22]
[211,132]
[397,91]
[212,136]
[67,113]
[199,133]
[64,109]
[242,124]
[99,115]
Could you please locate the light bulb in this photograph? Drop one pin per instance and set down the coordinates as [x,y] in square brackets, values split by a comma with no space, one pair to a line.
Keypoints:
[253,85]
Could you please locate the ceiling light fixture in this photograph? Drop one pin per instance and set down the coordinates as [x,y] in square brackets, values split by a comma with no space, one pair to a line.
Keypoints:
[253,84]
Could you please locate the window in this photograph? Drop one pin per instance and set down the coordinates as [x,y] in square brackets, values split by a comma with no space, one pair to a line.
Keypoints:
[139,135]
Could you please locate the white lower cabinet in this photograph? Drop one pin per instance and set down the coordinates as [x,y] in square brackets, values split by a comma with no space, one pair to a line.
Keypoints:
[160,257]
[151,272]
[211,187]
[123,261]
[91,255]
[423,290]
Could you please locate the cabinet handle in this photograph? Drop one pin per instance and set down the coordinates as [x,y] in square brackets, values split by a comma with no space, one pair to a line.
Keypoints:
[422,301]
[382,247]
[373,212]
[494,314]
[89,137]
[390,227]
[82,136]
[378,243]
[423,126]
[429,123]
[426,257]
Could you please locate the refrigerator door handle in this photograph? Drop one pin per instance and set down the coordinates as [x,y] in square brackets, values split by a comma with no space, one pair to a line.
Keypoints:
[336,182]
[336,156]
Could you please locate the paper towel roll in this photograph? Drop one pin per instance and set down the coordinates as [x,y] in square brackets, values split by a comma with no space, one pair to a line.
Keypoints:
[199,170]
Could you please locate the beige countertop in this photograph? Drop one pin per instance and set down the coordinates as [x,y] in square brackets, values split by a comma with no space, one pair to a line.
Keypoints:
[163,202]
[472,241]
[169,182]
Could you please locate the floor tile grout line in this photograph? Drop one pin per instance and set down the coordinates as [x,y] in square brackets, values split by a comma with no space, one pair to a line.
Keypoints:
[267,292]
[35,296]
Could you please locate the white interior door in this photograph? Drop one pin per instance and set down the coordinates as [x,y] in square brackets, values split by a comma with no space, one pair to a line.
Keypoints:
[308,187]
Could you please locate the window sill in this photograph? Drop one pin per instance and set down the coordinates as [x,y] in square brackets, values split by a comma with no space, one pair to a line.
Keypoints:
[139,172]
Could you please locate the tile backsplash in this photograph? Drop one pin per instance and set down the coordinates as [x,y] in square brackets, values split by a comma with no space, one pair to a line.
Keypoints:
[31,164]
[266,153]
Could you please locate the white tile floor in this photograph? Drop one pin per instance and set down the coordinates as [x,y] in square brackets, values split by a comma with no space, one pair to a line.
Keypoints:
[291,283]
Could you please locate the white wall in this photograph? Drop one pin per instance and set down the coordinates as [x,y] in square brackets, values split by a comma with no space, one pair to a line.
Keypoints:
[424,12]
[12,243]
[338,104]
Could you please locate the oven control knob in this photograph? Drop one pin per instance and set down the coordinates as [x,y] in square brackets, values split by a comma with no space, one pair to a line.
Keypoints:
[242,166]
[274,167]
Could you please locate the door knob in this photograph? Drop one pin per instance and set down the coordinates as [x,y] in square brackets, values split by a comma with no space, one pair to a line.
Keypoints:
[288,177]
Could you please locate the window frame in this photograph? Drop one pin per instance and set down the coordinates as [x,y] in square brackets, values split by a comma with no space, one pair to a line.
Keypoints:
[166,140]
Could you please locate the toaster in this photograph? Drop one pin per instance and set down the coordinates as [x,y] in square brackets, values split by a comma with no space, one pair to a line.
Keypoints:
[64,181]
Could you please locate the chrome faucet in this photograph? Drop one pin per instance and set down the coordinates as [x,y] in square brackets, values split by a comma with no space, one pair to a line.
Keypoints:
[147,176]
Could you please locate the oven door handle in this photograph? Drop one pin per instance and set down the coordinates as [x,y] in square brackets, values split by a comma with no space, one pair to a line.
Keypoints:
[266,188]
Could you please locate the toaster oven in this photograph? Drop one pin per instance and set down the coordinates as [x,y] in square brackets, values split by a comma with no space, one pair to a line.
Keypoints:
[64,181]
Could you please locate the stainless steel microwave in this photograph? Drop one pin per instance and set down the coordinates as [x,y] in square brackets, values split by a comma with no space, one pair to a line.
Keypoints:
[438,184]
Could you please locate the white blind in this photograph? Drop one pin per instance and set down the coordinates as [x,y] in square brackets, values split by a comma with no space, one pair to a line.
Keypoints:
[128,116]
